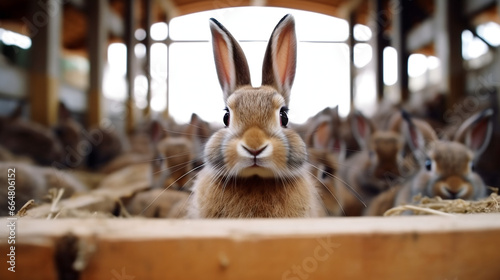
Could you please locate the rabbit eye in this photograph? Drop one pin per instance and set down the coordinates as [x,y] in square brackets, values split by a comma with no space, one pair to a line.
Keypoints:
[428,165]
[226,117]
[284,116]
[472,167]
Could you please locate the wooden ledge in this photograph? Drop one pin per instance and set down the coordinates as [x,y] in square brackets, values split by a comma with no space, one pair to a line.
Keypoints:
[424,247]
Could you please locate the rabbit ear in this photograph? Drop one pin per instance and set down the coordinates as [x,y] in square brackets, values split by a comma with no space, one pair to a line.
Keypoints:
[230,61]
[157,131]
[476,132]
[413,136]
[280,59]
[324,137]
[362,128]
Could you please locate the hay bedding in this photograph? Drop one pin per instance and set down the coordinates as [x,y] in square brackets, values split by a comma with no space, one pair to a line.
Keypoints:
[444,207]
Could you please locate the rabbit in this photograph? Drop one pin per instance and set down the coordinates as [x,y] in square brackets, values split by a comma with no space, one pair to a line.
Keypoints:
[325,150]
[30,139]
[255,166]
[34,182]
[371,171]
[447,167]
[158,203]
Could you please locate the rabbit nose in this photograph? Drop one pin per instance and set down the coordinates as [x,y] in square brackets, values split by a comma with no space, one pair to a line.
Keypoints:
[454,192]
[253,152]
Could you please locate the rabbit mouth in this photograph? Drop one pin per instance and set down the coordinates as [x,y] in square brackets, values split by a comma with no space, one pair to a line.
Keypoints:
[454,194]
[256,170]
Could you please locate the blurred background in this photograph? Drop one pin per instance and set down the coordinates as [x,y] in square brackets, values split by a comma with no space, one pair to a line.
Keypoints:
[121,62]
[98,56]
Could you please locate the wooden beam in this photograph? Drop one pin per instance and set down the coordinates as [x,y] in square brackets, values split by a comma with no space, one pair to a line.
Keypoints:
[474,7]
[131,65]
[97,40]
[148,7]
[424,247]
[378,22]
[352,68]
[400,24]
[448,42]
[421,36]
[44,23]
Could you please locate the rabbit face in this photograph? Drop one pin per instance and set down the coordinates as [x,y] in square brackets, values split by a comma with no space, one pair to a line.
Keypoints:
[256,140]
[385,147]
[449,169]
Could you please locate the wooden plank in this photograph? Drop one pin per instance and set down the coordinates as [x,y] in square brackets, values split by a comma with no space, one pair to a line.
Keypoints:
[352,68]
[448,42]
[148,7]
[97,43]
[131,64]
[45,31]
[378,44]
[421,36]
[329,248]
[400,23]
[474,7]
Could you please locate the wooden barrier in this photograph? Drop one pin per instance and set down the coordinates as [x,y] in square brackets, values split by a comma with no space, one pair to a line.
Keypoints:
[423,247]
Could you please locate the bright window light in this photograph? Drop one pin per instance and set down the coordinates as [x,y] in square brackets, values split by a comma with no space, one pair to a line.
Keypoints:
[490,32]
[433,62]
[365,98]
[114,83]
[362,55]
[15,39]
[140,50]
[159,55]
[140,34]
[141,91]
[159,31]
[322,77]
[244,26]
[390,66]
[472,47]
[158,95]
[117,58]
[417,65]
[362,33]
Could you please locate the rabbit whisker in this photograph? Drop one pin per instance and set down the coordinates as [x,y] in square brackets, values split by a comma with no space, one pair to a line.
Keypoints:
[349,187]
[333,195]
[152,202]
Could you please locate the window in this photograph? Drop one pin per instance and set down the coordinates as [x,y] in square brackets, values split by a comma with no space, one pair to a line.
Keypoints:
[322,77]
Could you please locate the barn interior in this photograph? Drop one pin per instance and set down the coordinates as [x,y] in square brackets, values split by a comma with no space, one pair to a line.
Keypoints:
[106,106]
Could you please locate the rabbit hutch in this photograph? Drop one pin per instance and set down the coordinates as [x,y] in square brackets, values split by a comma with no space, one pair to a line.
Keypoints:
[135,145]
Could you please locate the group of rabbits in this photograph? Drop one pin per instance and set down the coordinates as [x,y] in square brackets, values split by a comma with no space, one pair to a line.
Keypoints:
[259,164]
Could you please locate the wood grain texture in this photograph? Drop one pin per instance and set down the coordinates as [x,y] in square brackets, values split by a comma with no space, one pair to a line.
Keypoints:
[460,247]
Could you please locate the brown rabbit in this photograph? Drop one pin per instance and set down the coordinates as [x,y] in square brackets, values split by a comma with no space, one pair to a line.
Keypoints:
[325,151]
[371,171]
[29,139]
[447,167]
[255,166]
[33,182]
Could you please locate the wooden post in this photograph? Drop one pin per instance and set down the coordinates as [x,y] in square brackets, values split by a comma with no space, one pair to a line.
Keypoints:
[399,31]
[352,68]
[448,43]
[97,38]
[44,24]
[131,62]
[379,20]
[149,42]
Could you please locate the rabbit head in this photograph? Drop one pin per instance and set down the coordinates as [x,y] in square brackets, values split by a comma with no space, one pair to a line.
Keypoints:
[447,167]
[325,151]
[255,166]
[384,148]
